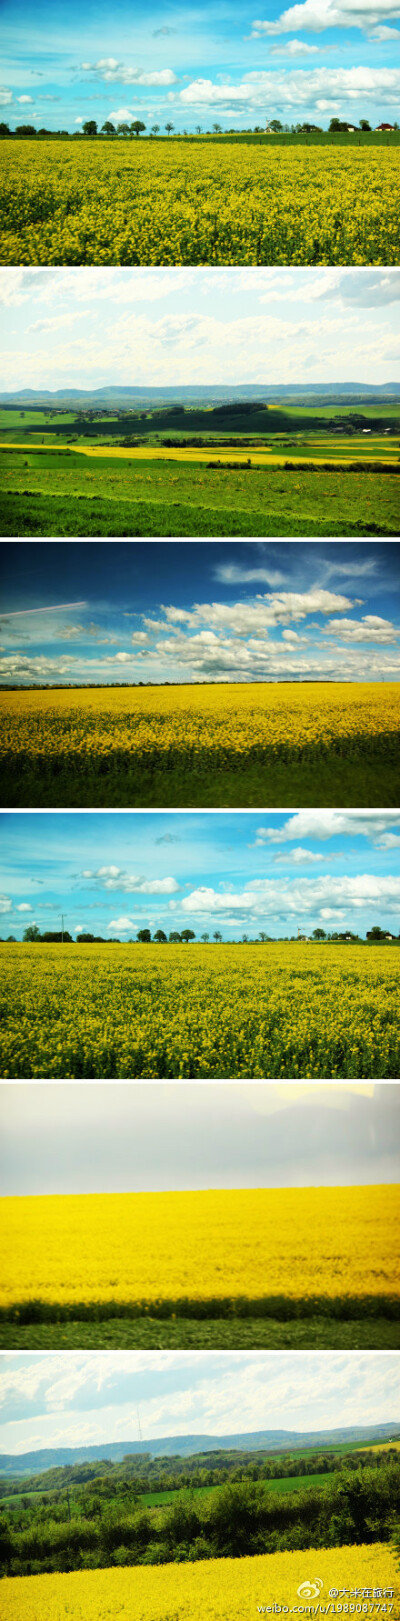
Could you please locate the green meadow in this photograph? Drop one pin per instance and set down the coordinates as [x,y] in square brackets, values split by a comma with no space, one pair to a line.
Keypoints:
[58,492]
[327,470]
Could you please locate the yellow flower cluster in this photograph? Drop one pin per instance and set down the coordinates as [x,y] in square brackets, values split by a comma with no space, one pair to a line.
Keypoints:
[200,727]
[277,1010]
[143,1249]
[211,1590]
[154,203]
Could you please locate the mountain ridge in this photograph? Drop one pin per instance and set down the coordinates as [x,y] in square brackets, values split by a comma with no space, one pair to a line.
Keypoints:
[119,394]
[189,1445]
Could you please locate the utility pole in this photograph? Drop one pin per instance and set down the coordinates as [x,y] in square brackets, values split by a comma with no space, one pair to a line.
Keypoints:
[139,1428]
[62,927]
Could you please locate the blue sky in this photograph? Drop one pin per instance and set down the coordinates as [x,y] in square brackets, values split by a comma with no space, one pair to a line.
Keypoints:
[132,1138]
[216,610]
[71,328]
[237,65]
[112,872]
[86,1399]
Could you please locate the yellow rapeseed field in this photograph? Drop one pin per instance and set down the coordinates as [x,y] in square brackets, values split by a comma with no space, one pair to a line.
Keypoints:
[141,1250]
[277,1010]
[383,1446]
[181,203]
[199,727]
[213,1589]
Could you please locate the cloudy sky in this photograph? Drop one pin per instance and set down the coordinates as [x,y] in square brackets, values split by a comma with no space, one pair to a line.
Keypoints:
[113,872]
[195,65]
[91,327]
[132,1138]
[89,1399]
[214,610]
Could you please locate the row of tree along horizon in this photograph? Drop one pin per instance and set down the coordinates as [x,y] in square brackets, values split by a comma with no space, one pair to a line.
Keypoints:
[33,936]
[144,1473]
[108,130]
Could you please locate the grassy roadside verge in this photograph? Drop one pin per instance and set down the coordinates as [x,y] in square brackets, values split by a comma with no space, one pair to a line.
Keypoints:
[363,1333]
[368,779]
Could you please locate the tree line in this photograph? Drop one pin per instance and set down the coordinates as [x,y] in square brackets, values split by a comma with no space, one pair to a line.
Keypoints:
[32,935]
[108,130]
[141,1472]
[235,1520]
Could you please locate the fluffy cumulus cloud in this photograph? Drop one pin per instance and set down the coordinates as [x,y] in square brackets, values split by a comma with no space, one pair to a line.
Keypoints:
[39,668]
[324,896]
[114,878]
[295,858]
[369,629]
[379,826]
[121,925]
[279,608]
[257,639]
[321,88]
[114,72]
[316,15]
[294,48]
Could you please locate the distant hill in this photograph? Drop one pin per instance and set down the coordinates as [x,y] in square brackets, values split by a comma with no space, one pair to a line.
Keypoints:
[119,395]
[29,1463]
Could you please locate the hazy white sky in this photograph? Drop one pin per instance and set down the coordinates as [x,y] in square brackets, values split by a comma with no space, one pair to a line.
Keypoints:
[91,327]
[122,1137]
[91,1398]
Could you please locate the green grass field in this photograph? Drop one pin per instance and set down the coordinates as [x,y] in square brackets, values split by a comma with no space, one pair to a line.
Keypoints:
[324,1333]
[62,492]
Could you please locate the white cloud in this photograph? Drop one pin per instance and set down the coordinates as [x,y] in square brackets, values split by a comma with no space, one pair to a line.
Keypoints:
[105,64]
[316,15]
[5,97]
[237,574]
[231,1393]
[51,323]
[370,288]
[369,629]
[266,897]
[297,857]
[267,611]
[120,115]
[295,48]
[122,924]
[113,72]
[22,99]
[23,907]
[5,904]
[325,89]
[328,824]
[114,878]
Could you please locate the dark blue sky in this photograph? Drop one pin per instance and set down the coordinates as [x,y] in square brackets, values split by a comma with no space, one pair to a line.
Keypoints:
[189,610]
